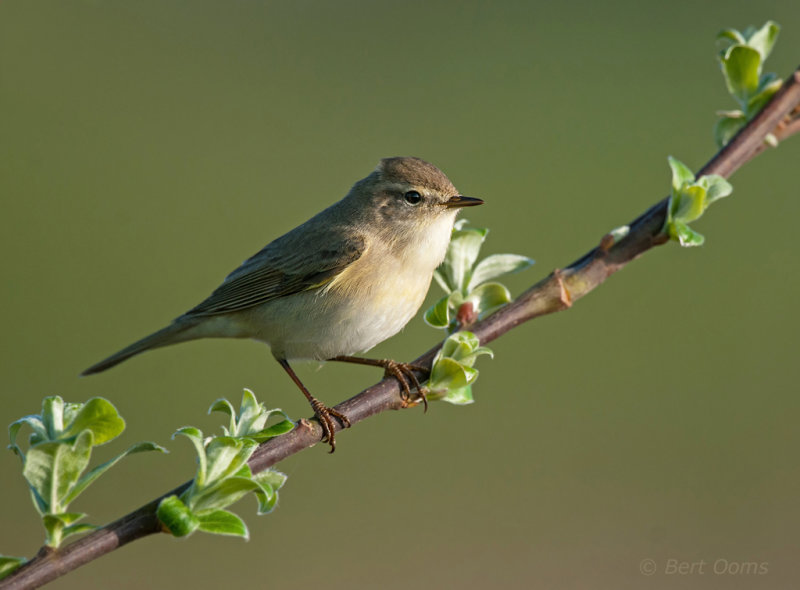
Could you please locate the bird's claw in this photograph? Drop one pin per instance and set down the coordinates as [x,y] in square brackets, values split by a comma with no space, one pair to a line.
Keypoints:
[325,417]
[404,372]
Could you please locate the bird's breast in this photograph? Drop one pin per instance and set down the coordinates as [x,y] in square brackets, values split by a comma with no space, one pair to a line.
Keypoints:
[371,300]
[368,302]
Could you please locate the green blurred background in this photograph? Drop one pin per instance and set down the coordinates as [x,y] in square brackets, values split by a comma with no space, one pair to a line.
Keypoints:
[146,148]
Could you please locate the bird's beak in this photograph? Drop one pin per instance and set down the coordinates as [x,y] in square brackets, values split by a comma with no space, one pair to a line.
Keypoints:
[460,201]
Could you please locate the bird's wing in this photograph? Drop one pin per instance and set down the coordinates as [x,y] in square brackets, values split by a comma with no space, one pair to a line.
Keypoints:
[289,265]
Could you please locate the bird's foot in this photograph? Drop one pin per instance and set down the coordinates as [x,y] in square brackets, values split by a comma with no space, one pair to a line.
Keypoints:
[325,417]
[404,373]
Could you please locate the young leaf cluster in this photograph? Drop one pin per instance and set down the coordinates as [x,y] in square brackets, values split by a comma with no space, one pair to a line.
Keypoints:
[742,61]
[689,199]
[472,291]
[223,476]
[452,373]
[9,563]
[59,450]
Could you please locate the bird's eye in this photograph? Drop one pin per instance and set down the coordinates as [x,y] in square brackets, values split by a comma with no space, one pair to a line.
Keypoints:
[412,197]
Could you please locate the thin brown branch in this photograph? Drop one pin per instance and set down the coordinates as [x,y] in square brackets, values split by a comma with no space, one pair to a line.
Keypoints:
[786,126]
[556,292]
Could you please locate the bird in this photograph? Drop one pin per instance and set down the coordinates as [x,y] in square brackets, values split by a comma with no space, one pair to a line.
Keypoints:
[337,285]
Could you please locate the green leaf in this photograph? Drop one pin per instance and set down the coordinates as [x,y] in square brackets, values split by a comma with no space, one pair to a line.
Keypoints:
[59,526]
[250,405]
[727,128]
[52,468]
[281,427]
[266,495]
[65,518]
[92,475]
[9,564]
[196,436]
[741,66]
[71,410]
[769,81]
[460,396]
[226,455]
[768,86]
[267,499]
[274,478]
[438,315]
[222,494]
[269,481]
[459,345]
[731,35]
[716,188]
[252,418]
[98,415]
[469,360]
[470,374]
[690,204]
[61,421]
[454,344]
[452,372]
[252,415]
[763,40]
[681,174]
[244,471]
[222,522]
[176,517]
[496,266]
[34,421]
[447,374]
[685,235]
[489,296]
[53,531]
[226,407]
[465,244]
[53,417]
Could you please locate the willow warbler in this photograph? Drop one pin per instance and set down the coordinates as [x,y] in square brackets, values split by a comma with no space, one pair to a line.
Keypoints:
[340,283]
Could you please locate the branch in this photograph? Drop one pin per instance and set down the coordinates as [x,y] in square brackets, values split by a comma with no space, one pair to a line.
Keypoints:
[556,292]
[787,126]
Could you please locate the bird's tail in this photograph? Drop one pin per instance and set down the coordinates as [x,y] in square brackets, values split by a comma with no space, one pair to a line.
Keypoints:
[176,332]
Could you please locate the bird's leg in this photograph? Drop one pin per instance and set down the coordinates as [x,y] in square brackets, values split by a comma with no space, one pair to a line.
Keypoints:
[403,372]
[322,411]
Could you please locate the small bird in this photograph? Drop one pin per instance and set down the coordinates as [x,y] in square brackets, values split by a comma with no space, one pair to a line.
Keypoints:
[345,280]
